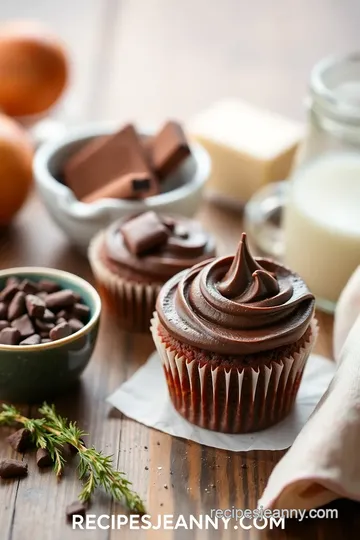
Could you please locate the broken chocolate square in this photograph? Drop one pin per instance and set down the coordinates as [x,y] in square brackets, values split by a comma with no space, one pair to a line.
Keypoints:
[144,232]
[168,149]
[20,440]
[101,162]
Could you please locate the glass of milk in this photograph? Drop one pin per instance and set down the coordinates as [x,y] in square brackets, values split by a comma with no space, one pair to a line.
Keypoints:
[321,224]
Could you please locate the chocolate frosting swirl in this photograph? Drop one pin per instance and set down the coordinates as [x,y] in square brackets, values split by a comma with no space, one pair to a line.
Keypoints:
[236,305]
[186,244]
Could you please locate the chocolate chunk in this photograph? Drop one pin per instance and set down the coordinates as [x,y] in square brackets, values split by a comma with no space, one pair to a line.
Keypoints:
[20,440]
[64,314]
[3,310]
[24,325]
[35,339]
[8,293]
[13,280]
[100,162]
[76,508]
[44,326]
[49,286]
[35,306]
[60,331]
[77,297]
[17,306]
[44,335]
[128,186]
[45,340]
[75,325]
[43,458]
[48,316]
[4,324]
[60,320]
[28,286]
[42,295]
[10,336]
[80,311]
[12,468]
[60,299]
[168,149]
[144,232]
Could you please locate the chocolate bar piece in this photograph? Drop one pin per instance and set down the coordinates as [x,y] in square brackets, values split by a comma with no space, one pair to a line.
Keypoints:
[35,306]
[168,149]
[35,339]
[17,306]
[129,186]
[10,336]
[19,440]
[3,310]
[101,162]
[28,286]
[48,286]
[144,232]
[75,325]
[80,311]
[4,324]
[60,331]
[48,316]
[60,299]
[24,325]
[43,458]
[77,508]
[12,468]
[9,292]
[44,326]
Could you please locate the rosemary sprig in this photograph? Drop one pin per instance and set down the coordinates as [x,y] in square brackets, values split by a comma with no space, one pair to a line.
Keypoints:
[53,432]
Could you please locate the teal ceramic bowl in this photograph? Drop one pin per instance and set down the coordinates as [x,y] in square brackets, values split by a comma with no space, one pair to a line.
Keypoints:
[37,372]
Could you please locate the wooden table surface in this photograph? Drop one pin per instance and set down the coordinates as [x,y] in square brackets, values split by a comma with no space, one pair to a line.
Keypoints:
[145,61]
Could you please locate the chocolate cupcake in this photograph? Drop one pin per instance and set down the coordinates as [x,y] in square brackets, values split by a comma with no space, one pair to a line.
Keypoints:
[234,335]
[133,258]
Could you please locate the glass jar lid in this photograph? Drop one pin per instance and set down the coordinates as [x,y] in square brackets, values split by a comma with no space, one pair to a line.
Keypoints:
[335,88]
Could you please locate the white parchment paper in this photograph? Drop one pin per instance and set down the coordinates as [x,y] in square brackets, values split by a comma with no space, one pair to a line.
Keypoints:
[144,398]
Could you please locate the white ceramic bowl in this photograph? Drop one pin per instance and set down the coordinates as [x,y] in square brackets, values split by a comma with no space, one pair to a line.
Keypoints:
[181,194]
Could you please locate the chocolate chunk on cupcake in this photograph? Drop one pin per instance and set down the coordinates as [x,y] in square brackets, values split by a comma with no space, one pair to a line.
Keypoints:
[234,335]
[134,257]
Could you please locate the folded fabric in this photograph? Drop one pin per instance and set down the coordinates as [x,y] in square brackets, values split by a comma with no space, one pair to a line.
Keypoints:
[347,310]
[323,463]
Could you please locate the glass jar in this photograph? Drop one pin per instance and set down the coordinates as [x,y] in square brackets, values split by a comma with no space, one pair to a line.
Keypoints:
[319,233]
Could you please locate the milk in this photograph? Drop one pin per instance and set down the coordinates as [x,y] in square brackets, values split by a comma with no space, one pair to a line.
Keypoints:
[322,224]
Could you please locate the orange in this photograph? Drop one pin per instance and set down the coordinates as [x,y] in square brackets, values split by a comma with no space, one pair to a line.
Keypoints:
[33,68]
[16,153]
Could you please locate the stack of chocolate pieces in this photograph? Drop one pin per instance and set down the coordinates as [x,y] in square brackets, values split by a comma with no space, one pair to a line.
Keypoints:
[39,312]
[126,165]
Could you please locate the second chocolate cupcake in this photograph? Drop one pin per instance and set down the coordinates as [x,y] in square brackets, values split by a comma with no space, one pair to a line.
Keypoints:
[133,258]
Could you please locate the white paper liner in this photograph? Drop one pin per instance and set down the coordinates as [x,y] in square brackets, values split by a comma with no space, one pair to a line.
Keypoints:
[144,398]
[133,302]
[261,397]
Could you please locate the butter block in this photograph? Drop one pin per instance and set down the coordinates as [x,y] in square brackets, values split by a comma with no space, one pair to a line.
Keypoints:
[249,147]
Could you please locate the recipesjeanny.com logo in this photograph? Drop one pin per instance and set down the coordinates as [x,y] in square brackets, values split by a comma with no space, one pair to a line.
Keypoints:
[217,519]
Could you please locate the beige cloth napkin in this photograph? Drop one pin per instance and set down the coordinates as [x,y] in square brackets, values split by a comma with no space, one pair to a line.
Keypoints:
[347,310]
[323,464]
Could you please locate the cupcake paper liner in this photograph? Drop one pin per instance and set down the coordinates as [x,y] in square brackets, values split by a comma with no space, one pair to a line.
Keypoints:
[132,302]
[235,400]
